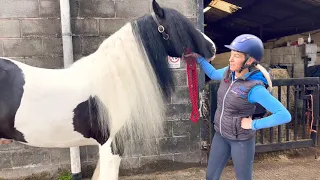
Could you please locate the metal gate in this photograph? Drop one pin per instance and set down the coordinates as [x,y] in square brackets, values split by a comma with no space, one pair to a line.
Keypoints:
[301,97]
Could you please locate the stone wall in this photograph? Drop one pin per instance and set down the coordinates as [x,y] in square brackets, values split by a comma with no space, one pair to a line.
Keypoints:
[289,57]
[31,33]
[315,37]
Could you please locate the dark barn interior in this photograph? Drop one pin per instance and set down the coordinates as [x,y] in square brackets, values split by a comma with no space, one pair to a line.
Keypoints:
[264,18]
[272,20]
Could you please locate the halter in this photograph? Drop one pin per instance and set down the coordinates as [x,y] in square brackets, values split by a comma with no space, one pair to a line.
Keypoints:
[191,73]
[161,29]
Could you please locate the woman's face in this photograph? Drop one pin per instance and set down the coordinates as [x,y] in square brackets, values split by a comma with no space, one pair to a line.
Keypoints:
[236,60]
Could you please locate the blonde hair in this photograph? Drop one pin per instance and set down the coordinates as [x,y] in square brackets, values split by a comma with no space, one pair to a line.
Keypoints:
[266,75]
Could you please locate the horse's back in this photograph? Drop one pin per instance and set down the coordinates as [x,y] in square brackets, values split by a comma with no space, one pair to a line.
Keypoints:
[11,90]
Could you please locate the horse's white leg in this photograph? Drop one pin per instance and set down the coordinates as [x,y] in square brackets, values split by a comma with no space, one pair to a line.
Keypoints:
[109,163]
[96,172]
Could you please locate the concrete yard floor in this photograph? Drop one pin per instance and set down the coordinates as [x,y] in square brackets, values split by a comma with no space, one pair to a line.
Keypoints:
[280,168]
[298,164]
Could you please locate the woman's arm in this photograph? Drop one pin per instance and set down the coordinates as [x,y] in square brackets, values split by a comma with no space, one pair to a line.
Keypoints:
[280,115]
[211,72]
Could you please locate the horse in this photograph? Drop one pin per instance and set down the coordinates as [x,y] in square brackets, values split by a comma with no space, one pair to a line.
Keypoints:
[114,95]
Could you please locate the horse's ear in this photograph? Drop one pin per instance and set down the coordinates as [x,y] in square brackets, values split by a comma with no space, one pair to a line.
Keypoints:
[157,9]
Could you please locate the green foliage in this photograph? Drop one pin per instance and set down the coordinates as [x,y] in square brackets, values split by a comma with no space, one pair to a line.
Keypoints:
[65,176]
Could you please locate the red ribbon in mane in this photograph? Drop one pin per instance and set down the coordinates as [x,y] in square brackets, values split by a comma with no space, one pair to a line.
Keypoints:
[193,85]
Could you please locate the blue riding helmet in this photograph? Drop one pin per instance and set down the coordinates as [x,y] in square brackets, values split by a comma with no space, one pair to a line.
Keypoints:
[248,44]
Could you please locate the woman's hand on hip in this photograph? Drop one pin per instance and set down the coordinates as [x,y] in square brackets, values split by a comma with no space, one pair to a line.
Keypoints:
[246,123]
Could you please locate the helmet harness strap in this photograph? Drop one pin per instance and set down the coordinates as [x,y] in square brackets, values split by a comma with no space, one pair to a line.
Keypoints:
[244,65]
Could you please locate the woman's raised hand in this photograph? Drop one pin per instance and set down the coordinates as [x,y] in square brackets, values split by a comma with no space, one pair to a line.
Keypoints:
[193,54]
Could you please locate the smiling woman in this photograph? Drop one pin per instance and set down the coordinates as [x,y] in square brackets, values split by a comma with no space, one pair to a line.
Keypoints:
[244,84]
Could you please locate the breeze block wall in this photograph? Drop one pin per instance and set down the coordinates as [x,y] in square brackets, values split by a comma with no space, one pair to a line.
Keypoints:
[31,33]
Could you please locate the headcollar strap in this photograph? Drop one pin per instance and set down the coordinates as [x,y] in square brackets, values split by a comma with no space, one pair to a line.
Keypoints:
[160,27]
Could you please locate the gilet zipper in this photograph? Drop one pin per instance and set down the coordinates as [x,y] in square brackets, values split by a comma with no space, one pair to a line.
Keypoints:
[224,98]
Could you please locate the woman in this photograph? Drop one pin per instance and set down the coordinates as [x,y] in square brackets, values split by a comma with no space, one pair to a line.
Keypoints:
[243,85]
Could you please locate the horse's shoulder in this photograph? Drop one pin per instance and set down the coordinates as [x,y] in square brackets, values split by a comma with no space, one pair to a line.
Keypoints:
[7,64]
[86,120]
[10,73]
[11,90]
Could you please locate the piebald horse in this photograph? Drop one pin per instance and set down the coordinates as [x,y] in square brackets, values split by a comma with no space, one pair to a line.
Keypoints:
[108,98]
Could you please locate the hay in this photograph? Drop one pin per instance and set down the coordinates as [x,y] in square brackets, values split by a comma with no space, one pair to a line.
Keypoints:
[283,74]
[279,74]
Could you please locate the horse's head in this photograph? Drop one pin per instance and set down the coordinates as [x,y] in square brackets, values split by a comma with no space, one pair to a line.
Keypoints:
[179,33]
[166,32]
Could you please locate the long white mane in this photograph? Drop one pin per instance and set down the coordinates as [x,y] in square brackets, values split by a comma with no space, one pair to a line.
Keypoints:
[124,81]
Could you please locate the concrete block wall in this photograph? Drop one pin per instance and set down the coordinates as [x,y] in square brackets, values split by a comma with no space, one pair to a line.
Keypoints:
[310,50]
[315,36]
[292,58]
[288,56]
[31,33]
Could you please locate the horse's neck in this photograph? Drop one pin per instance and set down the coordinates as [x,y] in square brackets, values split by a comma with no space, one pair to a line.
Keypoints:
[112,50]
[121,77]
[113,62]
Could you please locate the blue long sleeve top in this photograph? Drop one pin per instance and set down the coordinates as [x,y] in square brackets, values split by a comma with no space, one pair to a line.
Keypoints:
[280,115]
